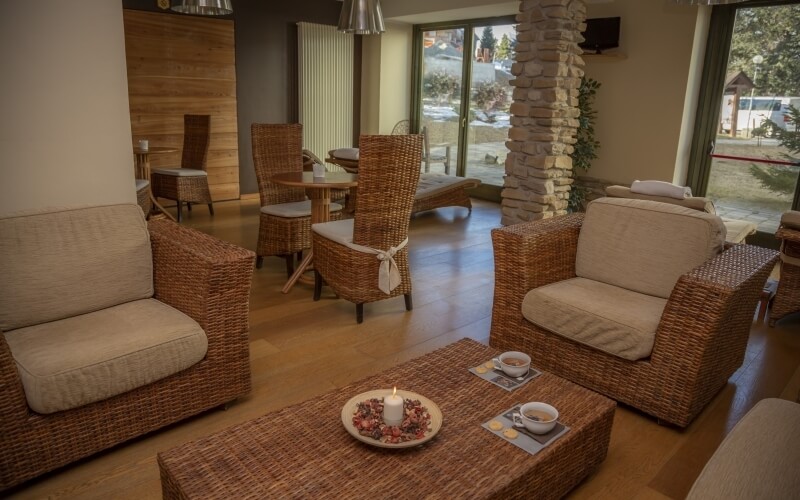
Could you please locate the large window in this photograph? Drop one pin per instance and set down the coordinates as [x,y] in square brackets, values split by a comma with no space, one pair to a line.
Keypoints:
[463,96]
[746,155]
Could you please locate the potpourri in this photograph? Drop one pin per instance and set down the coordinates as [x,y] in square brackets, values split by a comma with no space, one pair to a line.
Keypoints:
[368,419]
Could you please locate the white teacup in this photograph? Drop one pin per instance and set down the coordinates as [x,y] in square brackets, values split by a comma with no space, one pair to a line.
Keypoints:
[144,144]
[539,418]
[318,169]
[513,363]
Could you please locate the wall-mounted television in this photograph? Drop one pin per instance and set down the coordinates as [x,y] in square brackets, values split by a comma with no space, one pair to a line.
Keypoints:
[601,33]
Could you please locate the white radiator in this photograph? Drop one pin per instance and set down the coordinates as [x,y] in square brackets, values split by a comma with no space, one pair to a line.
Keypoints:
[326,87]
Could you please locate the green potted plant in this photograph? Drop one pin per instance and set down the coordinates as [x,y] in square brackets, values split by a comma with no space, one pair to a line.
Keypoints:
[586,145]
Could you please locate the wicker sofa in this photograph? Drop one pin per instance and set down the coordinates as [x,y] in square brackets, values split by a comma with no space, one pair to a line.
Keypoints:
[111,328]
[685,311]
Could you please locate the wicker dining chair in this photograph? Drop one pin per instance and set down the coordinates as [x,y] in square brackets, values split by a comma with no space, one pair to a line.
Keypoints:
[787,297]
[189,182]
[428,157]
[349,254]
[285,219]
[143,196]
[402,127]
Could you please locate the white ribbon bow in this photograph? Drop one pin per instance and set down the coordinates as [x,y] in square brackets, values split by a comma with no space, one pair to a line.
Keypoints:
[388,273]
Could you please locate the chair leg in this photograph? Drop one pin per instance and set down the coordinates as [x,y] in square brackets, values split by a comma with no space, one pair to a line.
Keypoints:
[211,209]
[259,261]
[409,305]
[317,285]
[289,264]
[299,256]
[188,206]
[180,212]
[359,313]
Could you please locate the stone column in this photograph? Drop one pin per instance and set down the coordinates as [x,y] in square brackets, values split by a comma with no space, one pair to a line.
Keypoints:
[547,71]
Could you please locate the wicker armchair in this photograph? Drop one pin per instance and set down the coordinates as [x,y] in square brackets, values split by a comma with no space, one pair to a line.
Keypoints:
[204,278]
[345,251]
[699,342]
[285,219]
[787,297]
[189,183]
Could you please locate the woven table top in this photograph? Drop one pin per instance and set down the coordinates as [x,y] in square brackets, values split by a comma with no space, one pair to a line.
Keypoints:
[304,450]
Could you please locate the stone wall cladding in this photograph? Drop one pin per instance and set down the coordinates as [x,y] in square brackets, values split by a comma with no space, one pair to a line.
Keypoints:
[547,72]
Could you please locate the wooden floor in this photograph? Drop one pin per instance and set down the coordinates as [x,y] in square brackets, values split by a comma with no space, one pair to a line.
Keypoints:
[301,348]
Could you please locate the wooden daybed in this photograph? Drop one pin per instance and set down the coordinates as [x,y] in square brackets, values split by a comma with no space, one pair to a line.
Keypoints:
[433,191]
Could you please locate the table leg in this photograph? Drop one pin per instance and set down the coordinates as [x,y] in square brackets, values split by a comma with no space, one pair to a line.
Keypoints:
[320,212]
[143,169]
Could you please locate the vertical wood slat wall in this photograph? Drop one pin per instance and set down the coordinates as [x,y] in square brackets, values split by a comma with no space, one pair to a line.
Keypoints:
[326,87]
[184,65]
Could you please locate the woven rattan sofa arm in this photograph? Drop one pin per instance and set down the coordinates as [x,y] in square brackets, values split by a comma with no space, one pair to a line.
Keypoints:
[533,254]
[789,234]
[13,405]
[203,277]
[706,322]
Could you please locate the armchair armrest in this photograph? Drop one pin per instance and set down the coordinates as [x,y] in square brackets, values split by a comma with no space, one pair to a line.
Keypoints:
[706,322]
[533,254]
[203,277]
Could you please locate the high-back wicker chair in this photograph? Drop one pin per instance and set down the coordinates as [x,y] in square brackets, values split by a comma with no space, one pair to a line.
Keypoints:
[189,183]
[285,221]
[787,297]
[349,254]
[143,196]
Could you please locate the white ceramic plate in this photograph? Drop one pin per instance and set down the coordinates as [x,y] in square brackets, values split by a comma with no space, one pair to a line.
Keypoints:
[349,410]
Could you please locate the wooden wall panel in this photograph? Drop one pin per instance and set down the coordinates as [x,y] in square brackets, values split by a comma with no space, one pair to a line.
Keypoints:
[184,65]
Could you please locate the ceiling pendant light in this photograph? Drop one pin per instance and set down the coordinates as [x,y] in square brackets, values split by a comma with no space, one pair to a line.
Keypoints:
[361,17]
[202,7]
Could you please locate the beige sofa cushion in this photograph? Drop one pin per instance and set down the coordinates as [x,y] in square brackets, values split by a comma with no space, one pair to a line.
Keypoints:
[758,459]
[60,264]
[694,202]
[435,184]
[606,317]
[645,246]
[79,360]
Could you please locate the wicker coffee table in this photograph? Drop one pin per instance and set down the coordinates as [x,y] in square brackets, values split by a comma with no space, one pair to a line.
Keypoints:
[304,450]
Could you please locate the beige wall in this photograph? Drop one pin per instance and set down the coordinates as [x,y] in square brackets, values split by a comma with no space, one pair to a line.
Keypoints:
[65,136]
[643,98]
[385,79]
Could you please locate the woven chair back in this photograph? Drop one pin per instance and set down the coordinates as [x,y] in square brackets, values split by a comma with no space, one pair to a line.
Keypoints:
[402,127]
[196,130]
[277,148]
[388,175]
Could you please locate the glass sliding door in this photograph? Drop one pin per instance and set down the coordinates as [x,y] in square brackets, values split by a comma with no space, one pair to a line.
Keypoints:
[755,152]
[489,103]
[440,95]
[463,97]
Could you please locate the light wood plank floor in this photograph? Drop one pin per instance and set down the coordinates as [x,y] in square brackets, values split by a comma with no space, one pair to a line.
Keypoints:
[301,348]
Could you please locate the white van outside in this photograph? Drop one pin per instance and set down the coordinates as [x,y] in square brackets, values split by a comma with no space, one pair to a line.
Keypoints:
[753,116]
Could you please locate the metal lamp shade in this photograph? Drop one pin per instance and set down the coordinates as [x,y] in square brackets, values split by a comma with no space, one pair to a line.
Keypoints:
[361,17]
[203,7]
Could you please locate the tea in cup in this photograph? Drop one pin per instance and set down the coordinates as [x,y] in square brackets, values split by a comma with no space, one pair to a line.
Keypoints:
[144,144]
[513,363]
[318,169]
[539,418]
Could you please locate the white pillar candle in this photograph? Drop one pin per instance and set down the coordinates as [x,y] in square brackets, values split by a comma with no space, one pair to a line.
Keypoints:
[393,409]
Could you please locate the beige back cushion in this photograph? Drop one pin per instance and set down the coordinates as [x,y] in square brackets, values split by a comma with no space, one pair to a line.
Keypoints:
[645,246]
[60,264]
[693,202]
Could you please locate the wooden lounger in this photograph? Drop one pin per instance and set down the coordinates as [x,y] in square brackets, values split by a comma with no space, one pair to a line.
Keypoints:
[433,191]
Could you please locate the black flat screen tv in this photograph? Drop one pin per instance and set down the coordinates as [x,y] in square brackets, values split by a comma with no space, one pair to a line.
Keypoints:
[601,33]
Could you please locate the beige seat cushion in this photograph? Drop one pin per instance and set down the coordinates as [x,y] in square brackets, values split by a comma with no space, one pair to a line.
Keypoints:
[64,263]
[645,246]
[75,361]
[693,202]
[791,219]
[181,172]
[294,209]
[434,184]
[758,459]
[606,317]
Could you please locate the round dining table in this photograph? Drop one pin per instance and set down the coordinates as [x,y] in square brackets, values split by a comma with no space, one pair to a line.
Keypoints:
[142,165]
[319,191]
